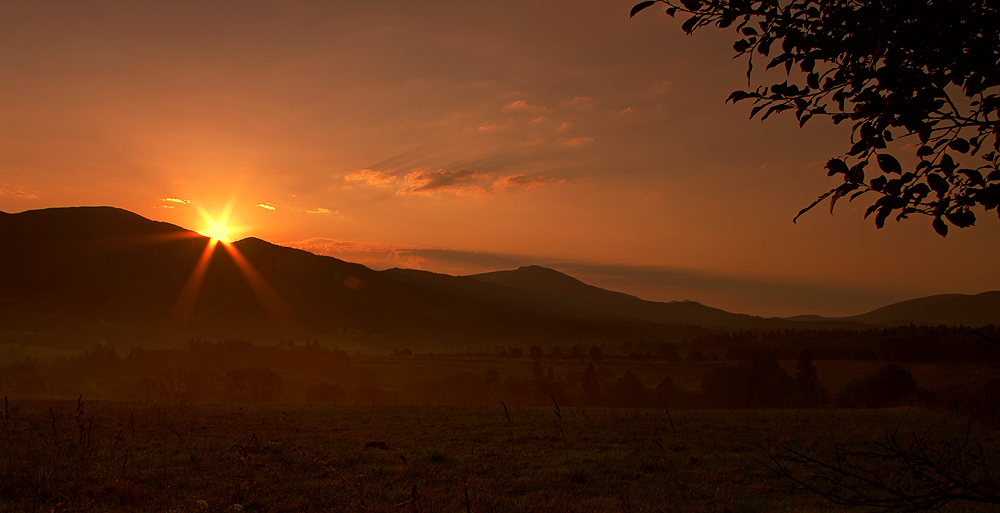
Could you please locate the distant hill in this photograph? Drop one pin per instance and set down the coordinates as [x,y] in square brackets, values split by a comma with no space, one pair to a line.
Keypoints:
[85,274]
[557,288]
[951,309]
[73,276]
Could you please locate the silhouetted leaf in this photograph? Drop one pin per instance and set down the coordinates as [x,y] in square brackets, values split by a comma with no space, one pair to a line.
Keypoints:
[835,166]
[940,227]
[960,145]
[962,218]
[883,213]
[692,5]
[640,6]
[888,164]
[974,176]
[839,192]
[857,173]
[924,151]
[813,80]
[671,11]
[688,25]
[938,183]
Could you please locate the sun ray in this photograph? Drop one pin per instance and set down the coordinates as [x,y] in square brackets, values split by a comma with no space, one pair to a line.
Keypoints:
[272,301]
[184,305]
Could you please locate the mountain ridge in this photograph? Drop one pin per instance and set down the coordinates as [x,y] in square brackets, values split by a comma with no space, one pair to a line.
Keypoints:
[74,268]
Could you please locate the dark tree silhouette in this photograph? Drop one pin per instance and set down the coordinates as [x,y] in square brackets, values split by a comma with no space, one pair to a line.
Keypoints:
[810,393]
[253,385]
[668,393]
[889,386]
[895,68]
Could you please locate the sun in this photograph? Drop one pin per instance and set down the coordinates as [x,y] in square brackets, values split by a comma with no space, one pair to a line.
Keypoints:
[217,230]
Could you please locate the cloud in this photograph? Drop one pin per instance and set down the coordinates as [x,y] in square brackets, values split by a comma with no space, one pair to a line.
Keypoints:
[582,102]
[370,177]
[564,126]
[176,200]
[319,210]
[521,105]
[517,182]
[17,193]
[577,141]
[431,181]
[381,256]
[267,206]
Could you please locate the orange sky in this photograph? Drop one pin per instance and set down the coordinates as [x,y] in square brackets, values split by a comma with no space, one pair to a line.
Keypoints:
[458,137]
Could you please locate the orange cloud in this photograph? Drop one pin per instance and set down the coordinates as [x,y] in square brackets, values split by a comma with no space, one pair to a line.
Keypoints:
[440,180]
[522,106]
[17,193]
[267,206]
[370,177]
[577,141]
[517,182]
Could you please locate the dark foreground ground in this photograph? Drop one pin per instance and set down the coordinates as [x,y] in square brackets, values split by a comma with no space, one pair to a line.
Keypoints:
[110,456]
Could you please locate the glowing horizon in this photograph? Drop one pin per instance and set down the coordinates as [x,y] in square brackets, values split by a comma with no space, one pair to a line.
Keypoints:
[457,137]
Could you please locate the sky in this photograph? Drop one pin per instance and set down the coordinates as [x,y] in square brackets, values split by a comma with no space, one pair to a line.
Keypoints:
[458,137]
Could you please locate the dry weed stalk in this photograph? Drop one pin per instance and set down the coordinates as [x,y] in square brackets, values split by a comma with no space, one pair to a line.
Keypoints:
[5,421]
[510,428]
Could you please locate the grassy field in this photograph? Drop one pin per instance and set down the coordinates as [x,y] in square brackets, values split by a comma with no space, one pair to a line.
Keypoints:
[110,456]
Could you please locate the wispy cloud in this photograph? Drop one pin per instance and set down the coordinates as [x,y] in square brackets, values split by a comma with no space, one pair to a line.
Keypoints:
[432,181]
[381,256]
[176,200]
[521,105]
[319,210]
[370,177]
[515,182]
[266,206]
[17,193]
[577,141]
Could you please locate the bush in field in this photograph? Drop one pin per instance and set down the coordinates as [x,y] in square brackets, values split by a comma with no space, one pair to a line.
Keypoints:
[325,393]
[630,392]
[891,385]
[668,393]
[757,382]
[252,385]
[809,392]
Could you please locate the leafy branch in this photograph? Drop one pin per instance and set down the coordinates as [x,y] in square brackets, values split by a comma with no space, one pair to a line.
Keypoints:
[894,68]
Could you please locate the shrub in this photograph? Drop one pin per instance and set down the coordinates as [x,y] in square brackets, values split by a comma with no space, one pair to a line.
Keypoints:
[891,385]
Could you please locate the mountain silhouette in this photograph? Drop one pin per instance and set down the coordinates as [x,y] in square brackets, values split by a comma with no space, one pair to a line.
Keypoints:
[952,309]
[78,275]
[558,288]
[90,274]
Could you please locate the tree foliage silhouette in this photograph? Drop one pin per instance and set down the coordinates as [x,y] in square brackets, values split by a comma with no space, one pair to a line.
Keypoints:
[894,68]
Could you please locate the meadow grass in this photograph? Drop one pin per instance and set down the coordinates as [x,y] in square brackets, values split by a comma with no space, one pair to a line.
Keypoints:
[110,456]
